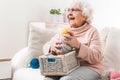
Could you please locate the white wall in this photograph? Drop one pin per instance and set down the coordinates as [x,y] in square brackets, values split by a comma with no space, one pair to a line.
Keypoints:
[106,13]
[14,18]
[16,14]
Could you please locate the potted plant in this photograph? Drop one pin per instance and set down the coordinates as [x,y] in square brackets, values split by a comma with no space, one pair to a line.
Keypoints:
[56,14]
[55,11]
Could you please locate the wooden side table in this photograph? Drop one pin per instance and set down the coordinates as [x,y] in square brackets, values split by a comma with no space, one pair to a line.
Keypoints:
[5,68]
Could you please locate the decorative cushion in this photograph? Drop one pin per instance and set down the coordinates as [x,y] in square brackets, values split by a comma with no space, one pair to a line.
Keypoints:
[38,36]
[112,50]
[115,75]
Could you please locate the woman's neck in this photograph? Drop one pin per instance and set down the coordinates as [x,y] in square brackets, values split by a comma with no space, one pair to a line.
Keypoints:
[79,25]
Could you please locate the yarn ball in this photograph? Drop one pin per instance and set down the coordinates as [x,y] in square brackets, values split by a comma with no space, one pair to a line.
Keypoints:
[115,74]
[34,63]
[65,30]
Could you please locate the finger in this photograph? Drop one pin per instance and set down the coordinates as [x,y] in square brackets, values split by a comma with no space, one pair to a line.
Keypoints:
[66,41]
[57,51]
[71,33]
[58,42]
[53,51]
[58,46]
[67,36]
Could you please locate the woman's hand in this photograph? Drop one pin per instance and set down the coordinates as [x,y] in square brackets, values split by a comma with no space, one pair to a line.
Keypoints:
[71,40]
[55,48]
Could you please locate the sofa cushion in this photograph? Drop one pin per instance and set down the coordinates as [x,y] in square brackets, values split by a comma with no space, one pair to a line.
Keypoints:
[27,74]
[111,50]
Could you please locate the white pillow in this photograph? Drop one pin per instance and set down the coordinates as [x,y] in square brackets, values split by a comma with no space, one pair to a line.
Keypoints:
[39,34]
[112,49]
[103,36]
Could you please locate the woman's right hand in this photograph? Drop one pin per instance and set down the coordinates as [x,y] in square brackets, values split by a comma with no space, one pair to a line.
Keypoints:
[55,48]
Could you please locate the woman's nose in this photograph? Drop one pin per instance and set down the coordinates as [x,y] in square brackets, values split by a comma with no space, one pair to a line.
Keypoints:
[69,13]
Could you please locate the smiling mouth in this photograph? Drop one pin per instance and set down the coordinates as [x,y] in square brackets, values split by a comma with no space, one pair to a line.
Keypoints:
[72,18]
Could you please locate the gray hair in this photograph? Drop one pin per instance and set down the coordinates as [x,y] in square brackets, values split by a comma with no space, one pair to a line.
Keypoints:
[86,9]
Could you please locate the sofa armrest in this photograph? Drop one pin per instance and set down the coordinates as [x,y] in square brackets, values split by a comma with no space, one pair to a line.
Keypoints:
[19,60]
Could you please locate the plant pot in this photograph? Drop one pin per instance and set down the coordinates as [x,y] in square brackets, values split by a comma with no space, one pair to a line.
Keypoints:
[57,18]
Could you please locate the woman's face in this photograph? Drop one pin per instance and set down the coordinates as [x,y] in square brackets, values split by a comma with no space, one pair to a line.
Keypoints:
[74,15]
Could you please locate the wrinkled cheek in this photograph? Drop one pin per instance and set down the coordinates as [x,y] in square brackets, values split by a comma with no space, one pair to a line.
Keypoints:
[67,18]
[71,21]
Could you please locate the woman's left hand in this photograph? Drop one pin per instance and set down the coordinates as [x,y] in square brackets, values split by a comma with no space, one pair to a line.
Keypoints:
[71,40]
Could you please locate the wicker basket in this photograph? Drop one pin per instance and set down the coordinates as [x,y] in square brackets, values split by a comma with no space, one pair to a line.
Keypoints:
[59,65]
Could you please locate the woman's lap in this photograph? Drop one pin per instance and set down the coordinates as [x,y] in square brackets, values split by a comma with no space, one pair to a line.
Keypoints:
[82,73]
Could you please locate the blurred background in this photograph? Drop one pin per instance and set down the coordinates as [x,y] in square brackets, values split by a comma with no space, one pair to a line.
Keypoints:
[15,16]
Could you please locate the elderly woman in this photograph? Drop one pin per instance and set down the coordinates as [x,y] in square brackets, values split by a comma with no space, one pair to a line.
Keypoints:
[84,39]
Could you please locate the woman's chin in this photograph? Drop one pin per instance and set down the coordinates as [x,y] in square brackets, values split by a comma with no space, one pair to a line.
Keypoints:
[72,23]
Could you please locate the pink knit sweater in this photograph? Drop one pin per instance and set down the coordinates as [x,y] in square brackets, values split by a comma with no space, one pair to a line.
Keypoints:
[90,49]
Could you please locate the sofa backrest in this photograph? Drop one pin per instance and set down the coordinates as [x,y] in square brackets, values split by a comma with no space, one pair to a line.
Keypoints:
[111,48]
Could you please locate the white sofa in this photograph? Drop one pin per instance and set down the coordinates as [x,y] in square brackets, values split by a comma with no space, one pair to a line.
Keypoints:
[39,33]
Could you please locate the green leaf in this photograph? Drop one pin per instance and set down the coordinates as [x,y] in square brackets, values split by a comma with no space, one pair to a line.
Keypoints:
[55,11]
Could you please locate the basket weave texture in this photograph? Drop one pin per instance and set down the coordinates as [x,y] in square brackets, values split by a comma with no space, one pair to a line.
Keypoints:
[58,65]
